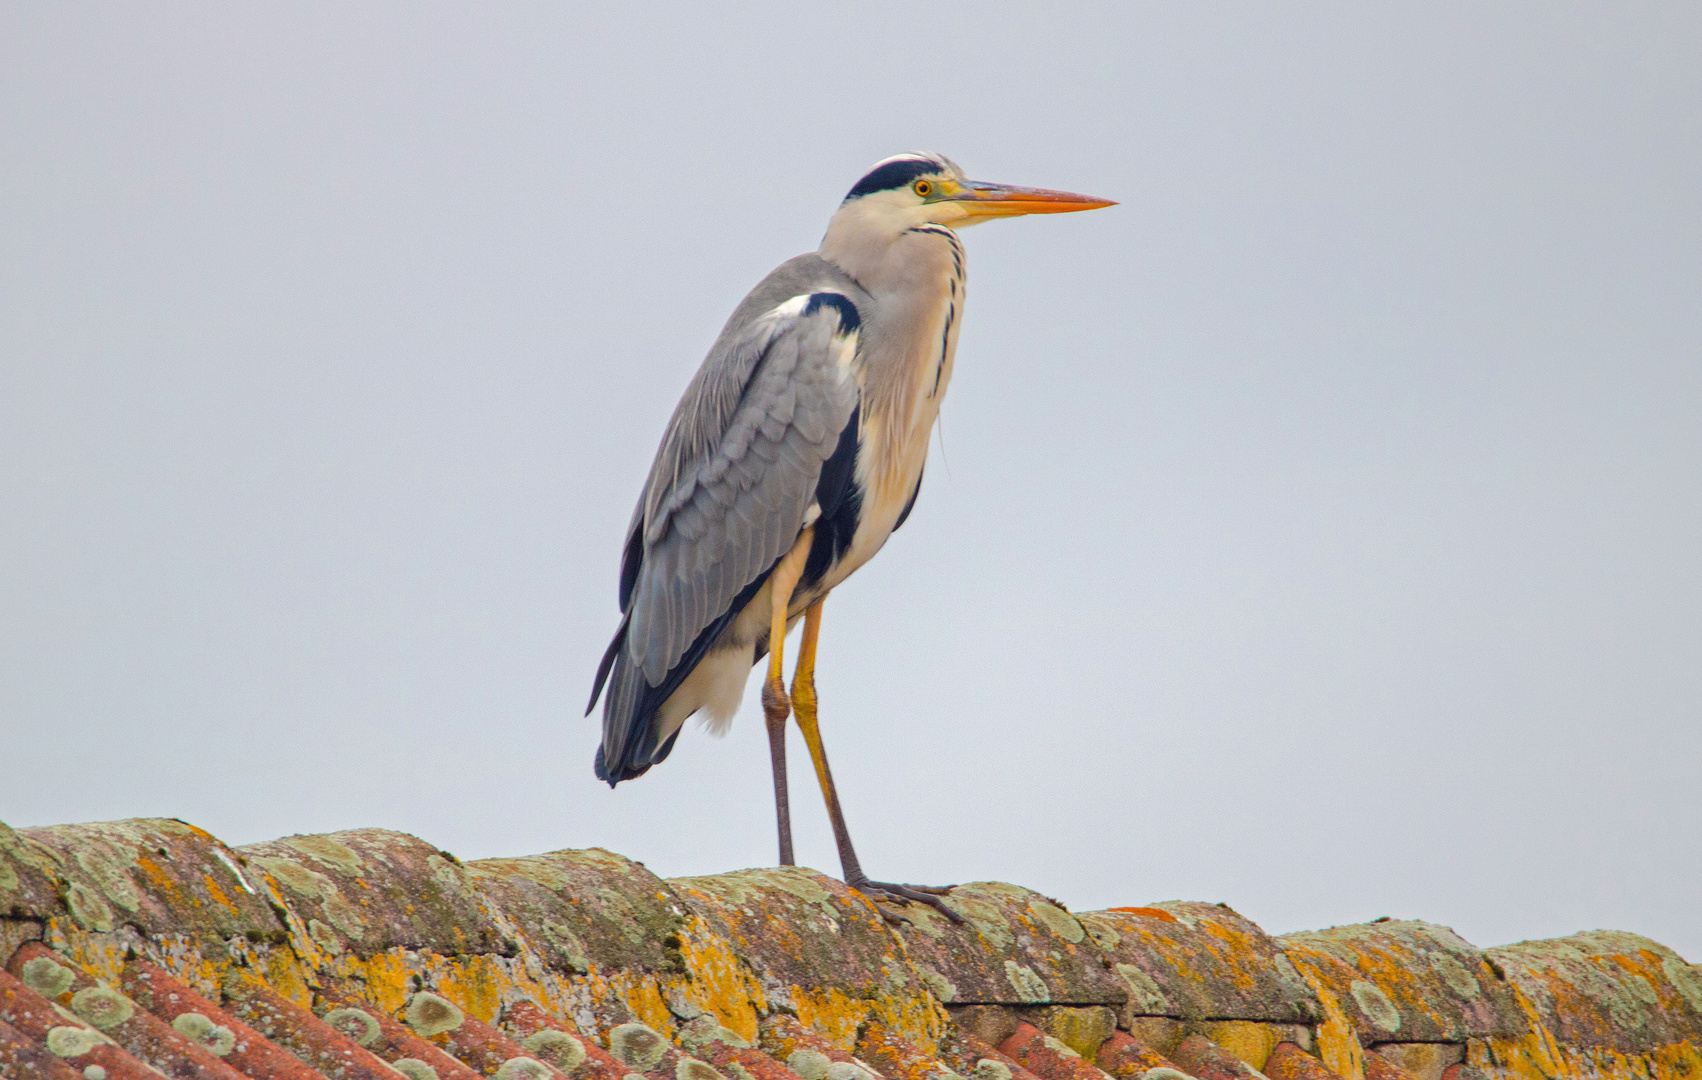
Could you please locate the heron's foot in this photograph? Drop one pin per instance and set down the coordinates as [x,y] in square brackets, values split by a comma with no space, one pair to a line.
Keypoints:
[893,893]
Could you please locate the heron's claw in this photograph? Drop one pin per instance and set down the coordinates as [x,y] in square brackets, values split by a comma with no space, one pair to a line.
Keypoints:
[906,894]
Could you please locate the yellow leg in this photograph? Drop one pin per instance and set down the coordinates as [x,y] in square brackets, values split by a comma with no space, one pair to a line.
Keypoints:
[804,699]
[775,706]
[804,704]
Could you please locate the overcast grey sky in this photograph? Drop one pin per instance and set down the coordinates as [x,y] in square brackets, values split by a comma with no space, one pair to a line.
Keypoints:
[1317,531]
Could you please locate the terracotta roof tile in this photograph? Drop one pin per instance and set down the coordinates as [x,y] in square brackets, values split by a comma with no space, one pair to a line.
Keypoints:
[145,1036]
[363,955]
[1127,1058]
[1199,1057]
[24,1058]
[69,1036]
[1046,1057]
[393,1041]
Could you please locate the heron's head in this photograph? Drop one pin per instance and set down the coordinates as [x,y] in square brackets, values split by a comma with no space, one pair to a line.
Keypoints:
[903,192]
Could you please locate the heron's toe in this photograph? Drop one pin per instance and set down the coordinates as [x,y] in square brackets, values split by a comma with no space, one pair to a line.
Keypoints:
[892,892]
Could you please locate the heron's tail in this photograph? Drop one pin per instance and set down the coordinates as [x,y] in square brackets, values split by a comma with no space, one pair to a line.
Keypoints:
[629,719]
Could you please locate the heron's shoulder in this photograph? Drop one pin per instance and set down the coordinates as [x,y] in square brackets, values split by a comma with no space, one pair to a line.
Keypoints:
[795,280]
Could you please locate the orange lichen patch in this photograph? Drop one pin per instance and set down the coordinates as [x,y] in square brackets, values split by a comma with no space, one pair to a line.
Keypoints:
[218,894]
[1149,912]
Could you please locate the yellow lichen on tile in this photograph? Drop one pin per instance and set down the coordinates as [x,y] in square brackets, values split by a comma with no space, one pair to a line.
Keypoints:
[721,983]
[1238,952]
[837,1017]
[1249,1040]
[1338,1046]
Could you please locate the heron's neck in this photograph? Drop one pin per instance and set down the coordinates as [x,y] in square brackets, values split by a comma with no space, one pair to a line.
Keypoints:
[890,259]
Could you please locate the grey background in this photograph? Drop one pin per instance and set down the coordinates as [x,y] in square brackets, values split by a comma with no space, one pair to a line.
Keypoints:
[1317,531]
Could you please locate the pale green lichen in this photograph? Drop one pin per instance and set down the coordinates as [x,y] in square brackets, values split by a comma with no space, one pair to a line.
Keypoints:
[93,1072]
[431,1015]
[357,1024]
[693,1069]
[809,1064]
[1028,985]
[704,1030]
[47,977]
[327,851]
[522,1068]
[103,1008]
[941,987]
[1165,1074]
[1145,996]
[1058,1047]
[1685,979]
[1057,920]
[111,877]
[89,909]
[556,1047]
[570,944]
[988,1069]
[1459,979]
[414,1069]
[1376,1006]
[69,1041]
[637,1046]
[202,1031]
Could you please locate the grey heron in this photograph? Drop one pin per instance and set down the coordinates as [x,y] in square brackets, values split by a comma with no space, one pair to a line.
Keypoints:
[795,453]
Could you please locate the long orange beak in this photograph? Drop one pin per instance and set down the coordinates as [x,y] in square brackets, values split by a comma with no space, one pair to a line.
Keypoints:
[980,200]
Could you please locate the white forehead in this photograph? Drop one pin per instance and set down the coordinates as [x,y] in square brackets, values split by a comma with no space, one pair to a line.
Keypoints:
[938,161]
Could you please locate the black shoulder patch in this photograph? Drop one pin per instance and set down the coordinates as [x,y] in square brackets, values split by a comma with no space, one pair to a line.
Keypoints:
[849,320]
[892,175]
[841,504]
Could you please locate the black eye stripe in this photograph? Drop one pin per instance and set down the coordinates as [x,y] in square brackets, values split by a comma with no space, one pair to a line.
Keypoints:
[893,175]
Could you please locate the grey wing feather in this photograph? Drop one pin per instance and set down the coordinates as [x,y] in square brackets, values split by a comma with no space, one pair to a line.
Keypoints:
[735,475]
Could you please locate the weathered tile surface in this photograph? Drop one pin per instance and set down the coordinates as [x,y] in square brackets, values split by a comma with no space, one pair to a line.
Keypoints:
[1200,961]
[369,954]
[1409,981]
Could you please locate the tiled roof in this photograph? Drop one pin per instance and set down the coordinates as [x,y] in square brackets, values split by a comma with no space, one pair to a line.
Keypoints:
[140,948]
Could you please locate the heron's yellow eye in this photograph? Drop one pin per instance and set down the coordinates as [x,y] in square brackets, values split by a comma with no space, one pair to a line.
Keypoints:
[922,188]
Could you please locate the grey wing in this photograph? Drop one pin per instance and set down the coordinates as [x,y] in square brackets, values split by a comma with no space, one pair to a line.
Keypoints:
[736,475]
